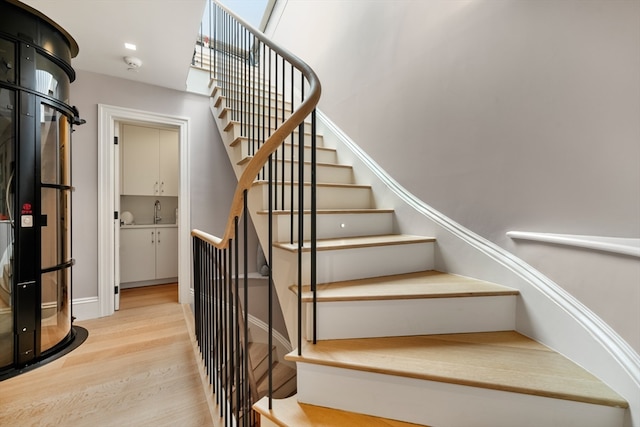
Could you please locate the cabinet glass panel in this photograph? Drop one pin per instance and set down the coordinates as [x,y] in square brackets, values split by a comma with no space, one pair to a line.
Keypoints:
[55,226]
[51,80]
[7,61]
[56,307]
[56,230]
[7,135]
[54,148]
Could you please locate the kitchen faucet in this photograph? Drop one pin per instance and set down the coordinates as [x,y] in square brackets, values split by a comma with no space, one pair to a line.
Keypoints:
[156,212]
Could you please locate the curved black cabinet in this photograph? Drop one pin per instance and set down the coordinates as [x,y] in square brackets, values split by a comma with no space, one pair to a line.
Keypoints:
[36,124]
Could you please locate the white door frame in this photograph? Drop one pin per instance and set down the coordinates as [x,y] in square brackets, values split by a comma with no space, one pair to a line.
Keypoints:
[107,117]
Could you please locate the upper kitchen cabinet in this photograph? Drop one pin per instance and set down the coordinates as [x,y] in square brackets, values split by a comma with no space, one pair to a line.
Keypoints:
[149,161]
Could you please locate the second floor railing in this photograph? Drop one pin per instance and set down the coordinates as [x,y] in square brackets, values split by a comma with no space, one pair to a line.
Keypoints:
[268,94]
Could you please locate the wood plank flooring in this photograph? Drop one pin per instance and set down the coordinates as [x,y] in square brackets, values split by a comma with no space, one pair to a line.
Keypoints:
[137,368]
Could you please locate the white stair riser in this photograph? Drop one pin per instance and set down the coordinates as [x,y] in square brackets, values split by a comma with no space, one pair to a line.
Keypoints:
[255,122]
[329,226]
[322,156]
[235,130]
[373,261]
[348,264]
[369,319]
[326,197]
[259,95]
[247,108]
[238,81]
[442,404]
[326,174]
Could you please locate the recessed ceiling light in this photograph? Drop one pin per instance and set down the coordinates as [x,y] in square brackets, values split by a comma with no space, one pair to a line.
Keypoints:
[130,46]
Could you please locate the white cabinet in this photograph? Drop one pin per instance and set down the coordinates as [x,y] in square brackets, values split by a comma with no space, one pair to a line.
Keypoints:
[168,154]
[148,253]
[149,161]
[166,252]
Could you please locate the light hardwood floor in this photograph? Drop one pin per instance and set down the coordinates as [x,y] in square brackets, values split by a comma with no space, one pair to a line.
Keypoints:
[137,368]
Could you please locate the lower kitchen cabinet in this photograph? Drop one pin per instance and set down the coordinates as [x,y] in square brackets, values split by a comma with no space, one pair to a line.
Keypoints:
[148,253]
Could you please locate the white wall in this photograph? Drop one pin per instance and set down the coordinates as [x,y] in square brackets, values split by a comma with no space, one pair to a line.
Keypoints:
[208,159]
[503,115]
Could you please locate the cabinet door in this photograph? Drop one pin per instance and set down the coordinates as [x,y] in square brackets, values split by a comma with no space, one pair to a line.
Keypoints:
[168,154]
[137,254]
[166,252]
[140,161]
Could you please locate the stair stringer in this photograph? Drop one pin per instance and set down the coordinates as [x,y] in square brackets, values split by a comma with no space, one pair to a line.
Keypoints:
[545,311]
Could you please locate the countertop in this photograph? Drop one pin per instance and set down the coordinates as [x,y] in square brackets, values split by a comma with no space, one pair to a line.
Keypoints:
[160,225]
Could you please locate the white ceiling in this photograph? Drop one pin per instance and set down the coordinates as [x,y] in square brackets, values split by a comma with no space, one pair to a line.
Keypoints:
[165,32]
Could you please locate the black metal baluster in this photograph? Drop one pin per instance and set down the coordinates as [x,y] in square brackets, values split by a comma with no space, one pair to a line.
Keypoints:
[300,217]
[247,409]
[292,157]
[253,107]
[236,322]
[263,134]
[229,332]
[209,307]
[284,109]
[236,78]
[245,77]
[205,343]
[314,212]
[212,39]
[270,266]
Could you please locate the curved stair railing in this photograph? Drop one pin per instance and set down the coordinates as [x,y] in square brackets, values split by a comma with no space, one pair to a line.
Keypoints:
[268,94]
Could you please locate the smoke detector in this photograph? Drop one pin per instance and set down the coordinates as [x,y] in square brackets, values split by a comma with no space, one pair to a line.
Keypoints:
[133,63]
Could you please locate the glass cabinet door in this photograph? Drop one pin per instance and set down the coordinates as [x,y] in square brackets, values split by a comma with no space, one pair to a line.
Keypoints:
[7,134]
[55,175]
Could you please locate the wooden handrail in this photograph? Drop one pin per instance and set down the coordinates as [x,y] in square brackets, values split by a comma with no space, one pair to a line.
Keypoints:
[206,237]
[261,157]
[222,331]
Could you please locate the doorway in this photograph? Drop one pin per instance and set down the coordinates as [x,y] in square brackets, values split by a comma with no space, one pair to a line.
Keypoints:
[108,118]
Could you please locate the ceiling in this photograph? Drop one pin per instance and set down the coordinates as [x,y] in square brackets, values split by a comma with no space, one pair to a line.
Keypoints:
[164,31]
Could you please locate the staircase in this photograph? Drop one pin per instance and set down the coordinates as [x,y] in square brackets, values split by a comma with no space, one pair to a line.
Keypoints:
[399,341]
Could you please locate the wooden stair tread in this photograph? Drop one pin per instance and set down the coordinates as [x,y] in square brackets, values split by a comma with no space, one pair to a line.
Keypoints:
[328,211]
[320,184]
[506,361]
[269,129]
[288,412]
[287,145]
[357,242]
[247,159]
[423,284]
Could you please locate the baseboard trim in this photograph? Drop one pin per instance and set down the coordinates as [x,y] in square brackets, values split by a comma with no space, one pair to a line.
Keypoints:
[86,308]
